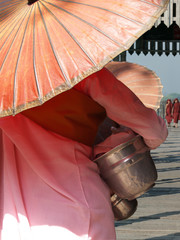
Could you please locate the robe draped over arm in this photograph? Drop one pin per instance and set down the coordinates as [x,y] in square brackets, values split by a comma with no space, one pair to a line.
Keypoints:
[124,107]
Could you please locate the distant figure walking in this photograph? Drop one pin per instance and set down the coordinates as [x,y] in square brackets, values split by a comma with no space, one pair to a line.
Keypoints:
[168,112]
[176,111]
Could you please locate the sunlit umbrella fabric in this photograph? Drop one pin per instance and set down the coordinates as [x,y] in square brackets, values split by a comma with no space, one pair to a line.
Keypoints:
[142,81]
[46,47]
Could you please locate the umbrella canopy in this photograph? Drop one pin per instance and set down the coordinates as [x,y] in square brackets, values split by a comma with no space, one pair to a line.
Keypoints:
[46,47]
[139,79]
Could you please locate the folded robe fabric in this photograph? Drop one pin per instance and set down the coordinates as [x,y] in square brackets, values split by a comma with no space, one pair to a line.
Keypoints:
[50,187]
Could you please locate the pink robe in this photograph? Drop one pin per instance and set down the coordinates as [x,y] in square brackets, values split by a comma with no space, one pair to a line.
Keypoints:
[50,188]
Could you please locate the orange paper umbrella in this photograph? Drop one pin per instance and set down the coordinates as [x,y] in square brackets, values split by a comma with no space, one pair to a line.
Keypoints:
[46,47]
[142,81]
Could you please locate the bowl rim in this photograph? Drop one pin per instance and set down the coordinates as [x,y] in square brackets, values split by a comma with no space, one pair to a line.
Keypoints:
[120,147]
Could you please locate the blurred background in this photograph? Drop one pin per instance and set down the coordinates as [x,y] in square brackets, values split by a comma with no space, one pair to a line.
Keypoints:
[159,50]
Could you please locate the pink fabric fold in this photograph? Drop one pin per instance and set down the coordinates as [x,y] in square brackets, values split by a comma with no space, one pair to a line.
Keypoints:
[51,188]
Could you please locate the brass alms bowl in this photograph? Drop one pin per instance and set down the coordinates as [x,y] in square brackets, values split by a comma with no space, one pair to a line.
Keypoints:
[128,169]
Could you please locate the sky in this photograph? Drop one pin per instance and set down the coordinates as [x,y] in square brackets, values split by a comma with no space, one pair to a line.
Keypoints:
[166,67]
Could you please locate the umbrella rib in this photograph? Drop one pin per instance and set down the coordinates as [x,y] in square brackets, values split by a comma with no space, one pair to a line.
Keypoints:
[154,4]
[15,79]
[107,10]
[14,22]
[10,9]
[149,94]
[88,23]
[5,16]
[49,38]
[11,43]
[71,35]
[144,79]
[4,26]
[8,4]
[150,3]
[34,65]
[142,86]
